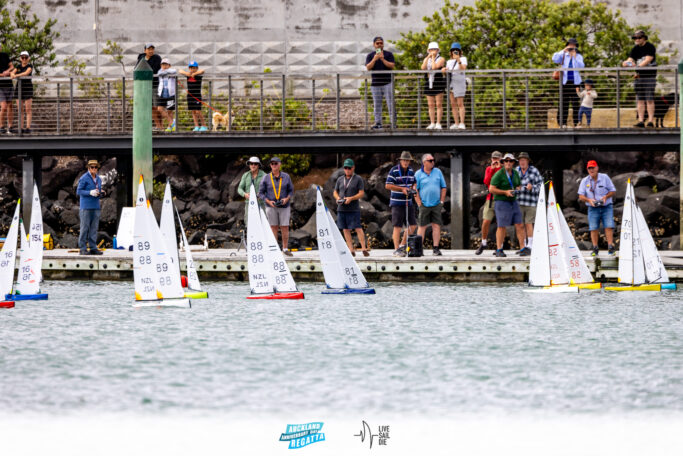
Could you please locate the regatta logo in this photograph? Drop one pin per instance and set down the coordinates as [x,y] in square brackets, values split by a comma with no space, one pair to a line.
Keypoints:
[301,435]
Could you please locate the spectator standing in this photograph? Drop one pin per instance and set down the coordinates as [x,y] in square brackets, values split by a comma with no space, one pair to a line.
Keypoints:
[435,83]
[348,189]
[381,86]
[276,190]
[24,72]
[587,96]
[570,58]
[154,62]
[644,54]
[489,206]
[431,193]
[253,176]
[194,95]
[597,190]
[503,186]
[456,67]
[531,185]
[90,191]
[401,182]
[6,114]
[167,92]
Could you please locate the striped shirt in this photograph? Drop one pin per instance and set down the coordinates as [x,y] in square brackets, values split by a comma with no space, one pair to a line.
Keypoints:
[402,178]
[533,177]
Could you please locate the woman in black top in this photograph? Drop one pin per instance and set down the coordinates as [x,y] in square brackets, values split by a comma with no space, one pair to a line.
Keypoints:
[24,89]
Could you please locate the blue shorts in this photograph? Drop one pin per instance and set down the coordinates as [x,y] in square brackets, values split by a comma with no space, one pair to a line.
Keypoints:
[604,214]
[508,213]
[348,220]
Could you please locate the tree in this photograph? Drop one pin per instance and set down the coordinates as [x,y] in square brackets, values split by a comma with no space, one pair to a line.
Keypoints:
[23,31]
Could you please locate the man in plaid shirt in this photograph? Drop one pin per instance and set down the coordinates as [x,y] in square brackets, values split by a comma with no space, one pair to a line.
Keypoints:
[532,183]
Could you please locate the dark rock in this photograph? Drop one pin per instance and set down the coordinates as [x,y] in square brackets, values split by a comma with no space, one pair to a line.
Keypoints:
[68,241]
[234,207]
[642,192]
[382,217]
[232,187]
[300,237]
[373,229]
[570,181]
[205,210]
[49,218]
[217,235]
[663,183]
[378,204]
[310,227]
[70,217]
[668,198]
[156,209]
[191,162]
[375,186]
[367,210]
[103,235]
[64,195]
[213,195]
[303,201]
[671,243]
[196,238]
[180,205]
[387,229]
[64,174]
[47,163]
[108,213]
[613,163]
[219,226]
[328,187]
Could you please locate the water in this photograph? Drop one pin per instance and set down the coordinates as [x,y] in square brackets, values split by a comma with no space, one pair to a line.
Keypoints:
[420,350]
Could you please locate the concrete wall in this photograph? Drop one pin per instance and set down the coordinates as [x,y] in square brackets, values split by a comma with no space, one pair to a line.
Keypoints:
[290,35]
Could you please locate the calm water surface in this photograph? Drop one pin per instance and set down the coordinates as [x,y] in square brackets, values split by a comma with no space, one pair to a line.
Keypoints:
[420,348]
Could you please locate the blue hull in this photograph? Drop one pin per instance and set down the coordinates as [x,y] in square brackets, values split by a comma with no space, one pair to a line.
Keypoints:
[349,291]
[668,286]
[19,297]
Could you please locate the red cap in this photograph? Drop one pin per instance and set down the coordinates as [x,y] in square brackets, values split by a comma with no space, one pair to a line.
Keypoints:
[592,164]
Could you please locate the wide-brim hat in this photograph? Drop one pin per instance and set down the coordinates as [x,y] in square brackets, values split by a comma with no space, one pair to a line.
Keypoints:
[254,160]
[509,156]
[496,154]
[523,155]
[93,163]
[405,155]
[433,45]
[573,41]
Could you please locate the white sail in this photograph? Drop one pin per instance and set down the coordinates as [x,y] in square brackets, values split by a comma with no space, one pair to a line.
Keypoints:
[631,264]
[168,277]
[28,278]
[144,269]
[539,265]
[577,267]
[192,277]
[36,230]
[167,226]
[260,277]
[352,273]
[558,262]
[329,256]
[282,279]
[654,266]
[8,255]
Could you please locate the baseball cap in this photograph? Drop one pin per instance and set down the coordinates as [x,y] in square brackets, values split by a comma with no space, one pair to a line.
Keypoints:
[254,160]
[348,162]
[639,34]
[509,156]
[276,160]
[149,45]
[192,64]
[165,60]
[455,45]
[496,154]
[377,38]
[433,45]
[572,41]
[592,164]
[24,53]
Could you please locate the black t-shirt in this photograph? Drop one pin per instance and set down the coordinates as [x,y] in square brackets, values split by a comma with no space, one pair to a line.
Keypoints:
[380,79]
[349,187]
[26,80]
[155,63]
[4,65]
[638,53]
[194,85]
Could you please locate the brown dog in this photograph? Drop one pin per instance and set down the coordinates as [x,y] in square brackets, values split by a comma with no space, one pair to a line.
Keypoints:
[220,119]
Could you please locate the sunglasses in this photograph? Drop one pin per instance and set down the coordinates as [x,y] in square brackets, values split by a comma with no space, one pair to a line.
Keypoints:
[254,164]
[431,161]
[274,163]
[92,167]
[347,167]
[23,57]
[508,161]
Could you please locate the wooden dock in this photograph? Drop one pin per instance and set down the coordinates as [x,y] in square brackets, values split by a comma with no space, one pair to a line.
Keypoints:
[381,265]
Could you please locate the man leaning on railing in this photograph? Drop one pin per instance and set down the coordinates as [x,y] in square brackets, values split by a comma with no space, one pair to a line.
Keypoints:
[381,87]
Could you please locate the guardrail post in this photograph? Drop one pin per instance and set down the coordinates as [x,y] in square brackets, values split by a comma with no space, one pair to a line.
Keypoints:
[123,107]
[472,100]
[229,101]
[419,104]
[618,99]
[448,99]
[261,107]
[313,104]
[392,108]
[71,106]
[338,102]
[680,168]
[108,107]
[177,108]
[560,116]
[58,113]
[284,95]
[526,102]
[366,103]
[20,124]
[677,102]
[504,102]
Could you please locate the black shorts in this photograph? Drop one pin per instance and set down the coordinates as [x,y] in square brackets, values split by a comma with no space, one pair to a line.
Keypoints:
[194,104]
[398,216]
[645,88]
[26,92]
[167,103]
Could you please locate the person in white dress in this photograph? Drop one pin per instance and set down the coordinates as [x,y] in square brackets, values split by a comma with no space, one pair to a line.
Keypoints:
[456,67]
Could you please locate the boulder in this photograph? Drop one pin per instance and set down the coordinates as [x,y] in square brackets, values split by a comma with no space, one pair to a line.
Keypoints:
[570,181]
[382,217]
[367,210]
[204,210]
[47,163]
[67,241]
[65,173]
[232,186]
[213,195]
[387,229]
[217,235]
[310,227]
[70,217]
[300,238]
[234,207]
[303,201]
[663,183]
[196,237]
[328,187]
[642,192]
[375,186]
[108,213]
[378,204]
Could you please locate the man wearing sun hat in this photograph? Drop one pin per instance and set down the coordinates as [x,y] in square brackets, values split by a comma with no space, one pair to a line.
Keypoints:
[504,185]
[401,183]
[532,183]
[90,191]
[253,176]
[597,190]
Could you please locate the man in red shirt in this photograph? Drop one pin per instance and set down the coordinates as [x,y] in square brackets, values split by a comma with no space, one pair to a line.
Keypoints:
[489,212]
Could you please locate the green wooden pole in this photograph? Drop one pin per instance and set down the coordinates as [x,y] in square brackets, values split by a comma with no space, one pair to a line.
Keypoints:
[680,158]
[142,127]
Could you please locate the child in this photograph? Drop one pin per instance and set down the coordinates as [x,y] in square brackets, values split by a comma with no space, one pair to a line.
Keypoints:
[194,94]
[587,95]
[167,86]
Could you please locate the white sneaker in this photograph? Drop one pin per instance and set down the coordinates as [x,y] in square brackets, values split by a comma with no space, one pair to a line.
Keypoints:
[437,126]
[453,127]
[461,126]
[431,126]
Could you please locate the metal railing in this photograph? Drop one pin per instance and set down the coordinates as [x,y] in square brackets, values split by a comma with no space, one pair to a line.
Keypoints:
[280,103]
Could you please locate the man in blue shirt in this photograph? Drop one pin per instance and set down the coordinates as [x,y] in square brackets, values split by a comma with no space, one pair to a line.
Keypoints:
[381,87]
[570,58]
[597,190]
[90,191]
[431,193]
[401,182]
[276,190]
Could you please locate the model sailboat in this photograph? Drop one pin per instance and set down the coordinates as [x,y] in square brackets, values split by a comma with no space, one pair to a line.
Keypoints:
[640,266]
[342,274]
[269,275]
[157,281]
[8,257]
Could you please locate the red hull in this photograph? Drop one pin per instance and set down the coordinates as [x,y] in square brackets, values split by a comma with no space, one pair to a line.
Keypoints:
[293,295]
[6,304]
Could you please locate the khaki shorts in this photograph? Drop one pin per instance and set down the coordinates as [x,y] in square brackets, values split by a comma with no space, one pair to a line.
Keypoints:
[528,214]
[278,216]
[427,215]
[489,210]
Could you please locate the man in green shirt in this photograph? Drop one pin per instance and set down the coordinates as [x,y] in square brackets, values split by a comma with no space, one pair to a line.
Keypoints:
[503,186]
[255,176]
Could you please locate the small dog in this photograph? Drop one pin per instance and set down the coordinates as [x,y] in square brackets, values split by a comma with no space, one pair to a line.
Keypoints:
[662,105]
[220,119]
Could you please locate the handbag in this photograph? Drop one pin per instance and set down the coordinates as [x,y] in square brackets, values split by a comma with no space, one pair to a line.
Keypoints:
[557,73]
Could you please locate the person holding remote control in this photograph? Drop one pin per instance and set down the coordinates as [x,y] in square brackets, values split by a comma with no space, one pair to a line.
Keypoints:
[348,189]
[597,190]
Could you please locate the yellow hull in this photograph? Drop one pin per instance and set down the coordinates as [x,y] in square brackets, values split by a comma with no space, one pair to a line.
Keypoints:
[588,286]
[644,287]
[196,294]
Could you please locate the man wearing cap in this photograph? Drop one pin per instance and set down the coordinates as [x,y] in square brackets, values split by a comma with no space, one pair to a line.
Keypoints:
[489,211]
[381,87]
[253,176]
[569,57]
[401,182]
[597,190]
[431,193]
[90,191]
[276,190]
[154,62]
[194,94]
[644,54]
[531,185]
[6,114]
[166,92]
[347,191]
[503,186]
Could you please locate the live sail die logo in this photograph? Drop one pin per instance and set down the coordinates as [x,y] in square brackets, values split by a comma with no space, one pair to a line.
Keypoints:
[380,437]
[301,435]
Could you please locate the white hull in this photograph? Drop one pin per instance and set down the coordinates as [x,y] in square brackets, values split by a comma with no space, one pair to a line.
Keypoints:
[183,303]
[553,290]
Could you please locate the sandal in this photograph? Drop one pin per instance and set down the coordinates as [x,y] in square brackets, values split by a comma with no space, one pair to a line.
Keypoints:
[366,253]
[353,253]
